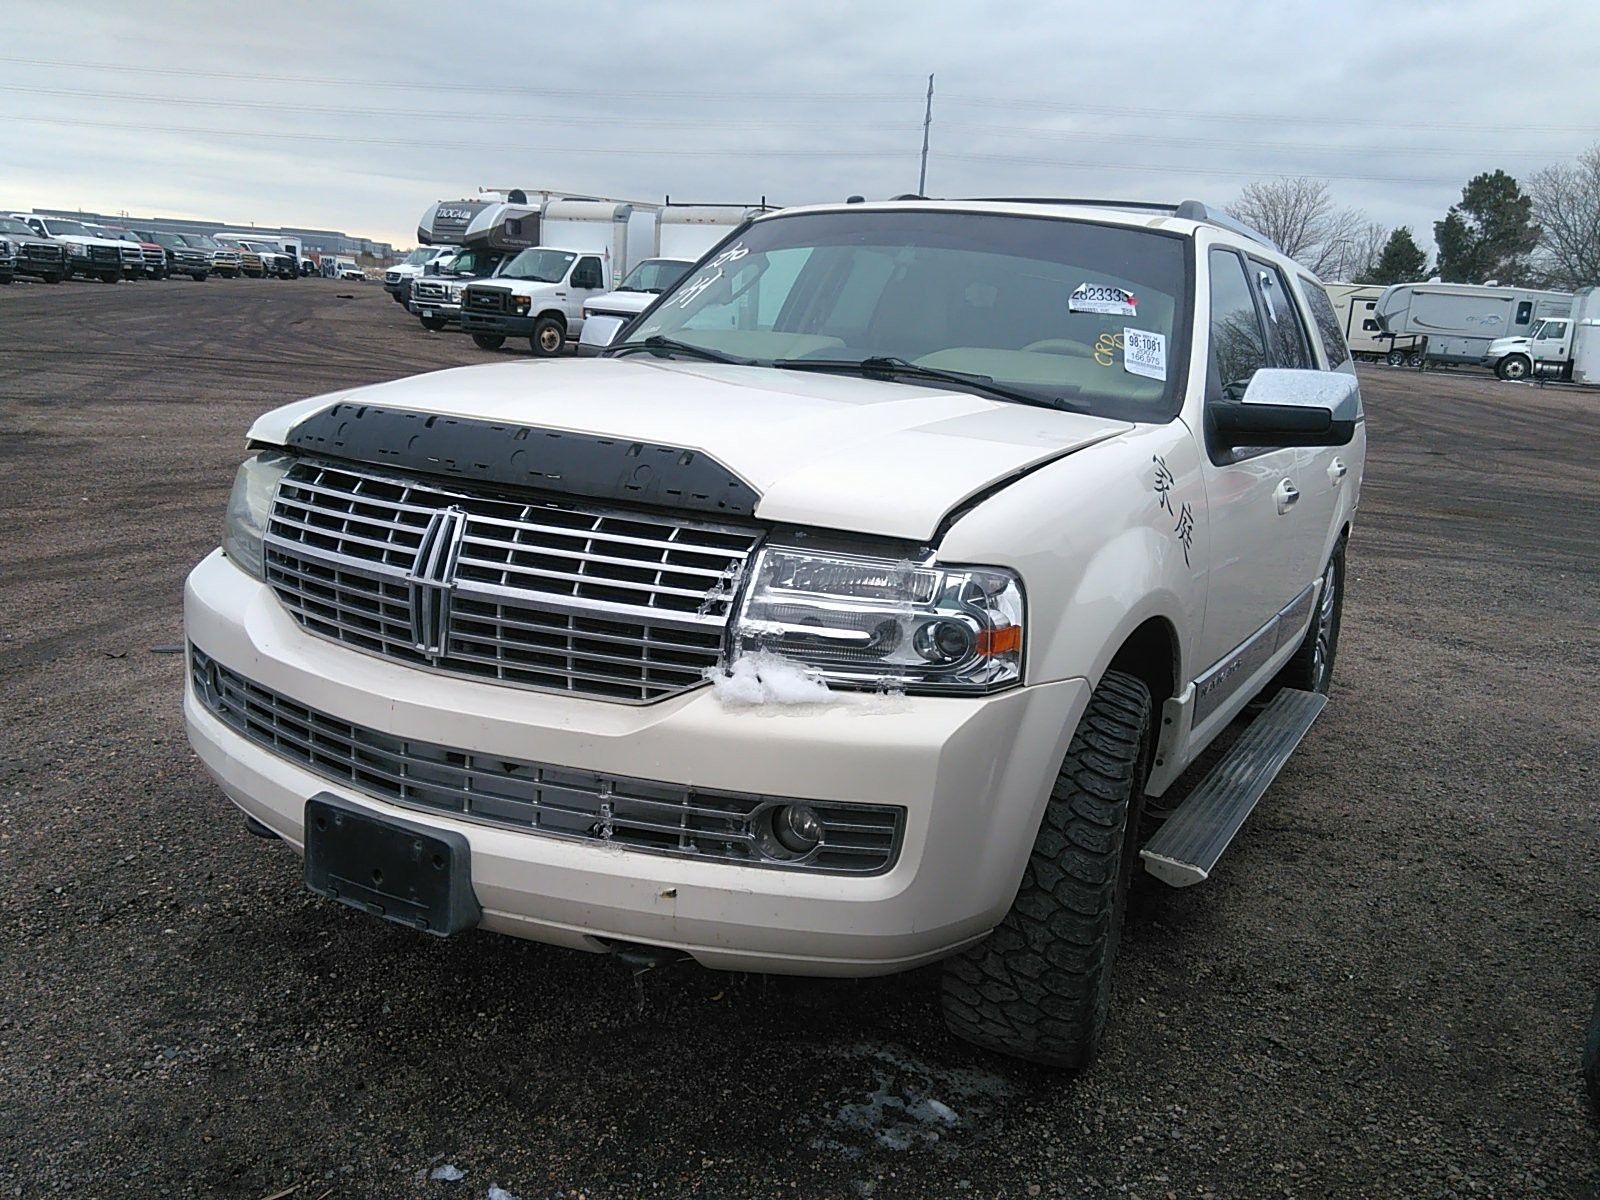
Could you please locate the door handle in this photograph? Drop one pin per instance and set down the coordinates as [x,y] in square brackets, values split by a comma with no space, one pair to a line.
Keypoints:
[1287,495]
[1337,471]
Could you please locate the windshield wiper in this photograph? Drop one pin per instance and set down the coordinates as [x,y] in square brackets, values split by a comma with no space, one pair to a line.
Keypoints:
[656,344]
[890,367]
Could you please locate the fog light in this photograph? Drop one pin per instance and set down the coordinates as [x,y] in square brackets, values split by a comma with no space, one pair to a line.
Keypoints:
[943,641]
[789,831]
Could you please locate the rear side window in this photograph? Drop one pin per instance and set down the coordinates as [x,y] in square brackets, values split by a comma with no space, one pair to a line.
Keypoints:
[1238,346]
[1285,334]
[1327,322]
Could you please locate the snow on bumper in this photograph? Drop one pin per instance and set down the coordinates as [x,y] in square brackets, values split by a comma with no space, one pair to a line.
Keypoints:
[971,774]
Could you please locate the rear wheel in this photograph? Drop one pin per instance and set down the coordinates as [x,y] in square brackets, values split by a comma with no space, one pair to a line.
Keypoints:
[433,324]
[549,337]
[1414,359]
[1311,668]
[1039,986]
[488,341]
[1513,366]
[1395,358]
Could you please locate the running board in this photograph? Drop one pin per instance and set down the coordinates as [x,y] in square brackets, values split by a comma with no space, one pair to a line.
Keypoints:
[1187,846]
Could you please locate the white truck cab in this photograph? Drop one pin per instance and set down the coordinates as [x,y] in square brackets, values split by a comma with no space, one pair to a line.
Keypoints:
[538,295]
[1565,347]
[608,312]
[397,279]
[861,610]
[87,254]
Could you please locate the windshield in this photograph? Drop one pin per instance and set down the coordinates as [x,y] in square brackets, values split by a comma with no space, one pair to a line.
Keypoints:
[10,225]
[418,257]
[170,240]
[539,266]
[66,229]
[201,242]
[1068,313]
[470,262]
[655,275]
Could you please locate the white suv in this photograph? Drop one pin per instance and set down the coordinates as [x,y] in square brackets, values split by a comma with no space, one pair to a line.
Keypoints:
[860,611]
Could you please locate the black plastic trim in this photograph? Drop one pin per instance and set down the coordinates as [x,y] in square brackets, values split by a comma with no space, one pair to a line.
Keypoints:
[526,456]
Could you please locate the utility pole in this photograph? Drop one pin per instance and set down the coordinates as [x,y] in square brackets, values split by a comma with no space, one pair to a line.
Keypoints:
[927,120]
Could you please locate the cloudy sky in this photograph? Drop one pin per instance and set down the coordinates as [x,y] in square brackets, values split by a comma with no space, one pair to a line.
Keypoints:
[355,114]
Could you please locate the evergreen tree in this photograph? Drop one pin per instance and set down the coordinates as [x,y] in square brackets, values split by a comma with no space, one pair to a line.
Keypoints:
[1489,235]
[1401,261]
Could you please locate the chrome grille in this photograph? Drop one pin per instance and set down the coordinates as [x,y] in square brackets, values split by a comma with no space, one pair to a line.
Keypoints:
[430,290]
[659,818]
[42,252]
[154,258]
[486,299]
[556,594]
[105,254]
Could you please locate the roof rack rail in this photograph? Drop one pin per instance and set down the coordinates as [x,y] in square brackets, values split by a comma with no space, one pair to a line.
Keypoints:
[1187,210]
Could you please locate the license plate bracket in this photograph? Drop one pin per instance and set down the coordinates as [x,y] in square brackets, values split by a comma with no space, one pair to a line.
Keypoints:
[389,867]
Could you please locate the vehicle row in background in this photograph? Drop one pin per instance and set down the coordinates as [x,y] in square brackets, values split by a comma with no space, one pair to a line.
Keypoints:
[504,265]
[1457,322]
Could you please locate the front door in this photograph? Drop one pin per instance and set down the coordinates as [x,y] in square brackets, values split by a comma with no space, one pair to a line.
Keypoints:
[1258,528]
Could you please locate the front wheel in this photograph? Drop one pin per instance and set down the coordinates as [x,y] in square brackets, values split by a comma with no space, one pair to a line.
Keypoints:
[199,276]
[433,324]
[55,277]
[1513,366]
[488,341]
[549,337]
[109,277]
[1039,987]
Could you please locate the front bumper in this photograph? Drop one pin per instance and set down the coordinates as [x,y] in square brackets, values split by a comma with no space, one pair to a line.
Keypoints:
[972,775]
[498,323]
[444,310]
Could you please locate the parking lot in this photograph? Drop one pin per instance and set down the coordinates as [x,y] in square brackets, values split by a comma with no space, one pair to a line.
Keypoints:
[1381,994]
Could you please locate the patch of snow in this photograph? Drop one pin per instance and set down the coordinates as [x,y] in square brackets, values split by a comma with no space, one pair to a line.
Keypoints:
[499,1193]
[765,678]
[449,1173]
[903,1111]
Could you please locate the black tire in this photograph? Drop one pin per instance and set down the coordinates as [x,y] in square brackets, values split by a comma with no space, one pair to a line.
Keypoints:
[1039,987]
[108,277]
[1513,366]
[1311,668]
[549,337]
[5,280]
[1395,358]
[54,276]
[1591,1057]
[433,324]
[488,341]
[1414,359]
[199,276]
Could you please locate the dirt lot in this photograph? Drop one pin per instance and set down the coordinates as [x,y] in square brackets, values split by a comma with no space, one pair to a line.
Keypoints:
[1381,994]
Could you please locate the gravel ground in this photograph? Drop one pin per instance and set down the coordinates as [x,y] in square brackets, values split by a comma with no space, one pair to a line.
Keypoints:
[1381,993]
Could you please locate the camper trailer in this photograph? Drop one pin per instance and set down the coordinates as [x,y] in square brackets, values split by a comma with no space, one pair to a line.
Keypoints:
[1555,348]
[1356,304]
[1458,321]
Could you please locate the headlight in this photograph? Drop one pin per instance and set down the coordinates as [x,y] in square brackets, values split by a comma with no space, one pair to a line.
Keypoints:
[521,304]
[77,249]
[250,506]
[872,622]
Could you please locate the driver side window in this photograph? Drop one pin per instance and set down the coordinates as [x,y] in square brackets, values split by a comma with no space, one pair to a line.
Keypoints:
[1238,346]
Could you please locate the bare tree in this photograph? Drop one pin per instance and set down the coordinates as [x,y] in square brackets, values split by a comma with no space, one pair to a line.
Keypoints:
[1566,206]
[1299,215]
[1358,254]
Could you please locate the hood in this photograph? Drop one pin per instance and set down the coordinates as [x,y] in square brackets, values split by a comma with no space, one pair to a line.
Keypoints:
[1508,343]
[92,241]
[622,302]
[833,451]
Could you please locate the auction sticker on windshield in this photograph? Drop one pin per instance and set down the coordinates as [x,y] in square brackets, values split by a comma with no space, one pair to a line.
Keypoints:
[1102,298]
[1144,353]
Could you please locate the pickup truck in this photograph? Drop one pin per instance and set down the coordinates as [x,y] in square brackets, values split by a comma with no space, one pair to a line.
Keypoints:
[182,257]
[861,610]
[397,280]
[88,254]
[224,259]
[436,293]
[605,314]
[151,262]
[32,254]
[538,295]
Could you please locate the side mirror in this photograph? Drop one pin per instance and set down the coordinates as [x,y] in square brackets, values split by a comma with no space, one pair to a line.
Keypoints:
[1291,408]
